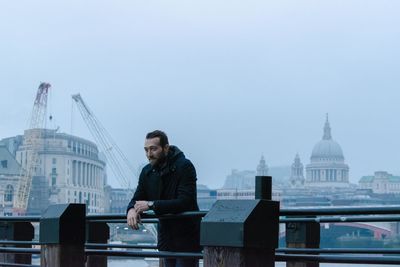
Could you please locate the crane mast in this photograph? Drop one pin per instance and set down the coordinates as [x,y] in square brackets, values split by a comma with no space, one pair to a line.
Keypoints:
[33,143]
[118,162]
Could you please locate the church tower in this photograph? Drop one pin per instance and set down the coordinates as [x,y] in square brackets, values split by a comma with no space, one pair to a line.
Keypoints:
[262,168]
[296,176]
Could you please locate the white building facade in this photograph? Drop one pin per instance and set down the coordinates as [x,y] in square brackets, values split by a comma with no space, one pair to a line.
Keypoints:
[381,183]
[9,176]
[70,167]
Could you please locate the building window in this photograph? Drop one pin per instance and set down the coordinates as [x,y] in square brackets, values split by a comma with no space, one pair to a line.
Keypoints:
[8,196]
[53,176]
[4,163]
[54,161]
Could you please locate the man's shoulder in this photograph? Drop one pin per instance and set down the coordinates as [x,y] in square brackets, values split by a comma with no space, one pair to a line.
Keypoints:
[183,163]
[146,169]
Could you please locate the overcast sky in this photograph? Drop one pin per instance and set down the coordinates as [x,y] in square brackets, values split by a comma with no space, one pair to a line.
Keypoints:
[227,80]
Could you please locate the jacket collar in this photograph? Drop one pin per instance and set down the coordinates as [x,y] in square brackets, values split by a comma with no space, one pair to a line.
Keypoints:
[173,154]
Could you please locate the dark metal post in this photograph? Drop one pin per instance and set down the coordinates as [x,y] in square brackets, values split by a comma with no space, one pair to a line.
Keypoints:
[302,235]
[97,232]
[242,233]
[263,187]
[62,234]
[17,231]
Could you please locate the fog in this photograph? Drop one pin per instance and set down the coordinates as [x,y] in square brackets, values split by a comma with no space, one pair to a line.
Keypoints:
[227,80]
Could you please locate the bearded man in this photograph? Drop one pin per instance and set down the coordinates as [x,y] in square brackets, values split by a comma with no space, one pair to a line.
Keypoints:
[168,185]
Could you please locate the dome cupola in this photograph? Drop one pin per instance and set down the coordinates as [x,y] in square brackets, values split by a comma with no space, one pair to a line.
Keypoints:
[327,148]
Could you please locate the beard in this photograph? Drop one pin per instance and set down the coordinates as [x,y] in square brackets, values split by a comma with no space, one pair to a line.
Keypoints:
[158,161]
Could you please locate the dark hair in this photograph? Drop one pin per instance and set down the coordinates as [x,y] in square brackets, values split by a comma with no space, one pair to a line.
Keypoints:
[160,134]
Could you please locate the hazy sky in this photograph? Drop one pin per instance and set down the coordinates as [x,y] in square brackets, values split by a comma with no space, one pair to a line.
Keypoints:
[227,80]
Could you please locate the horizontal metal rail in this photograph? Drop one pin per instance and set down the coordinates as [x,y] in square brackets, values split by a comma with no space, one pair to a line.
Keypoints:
[98,245]
[365,218]
[338,250]
[144,254]
[340,211]
[146,215]
[339,259]
[20,219]
[143,220]
[376,210]
[12,242]
[4,264]
[279,250]
[19,250]
[338,219]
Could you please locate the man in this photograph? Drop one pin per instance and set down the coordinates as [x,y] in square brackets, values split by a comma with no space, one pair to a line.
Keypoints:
[168,185]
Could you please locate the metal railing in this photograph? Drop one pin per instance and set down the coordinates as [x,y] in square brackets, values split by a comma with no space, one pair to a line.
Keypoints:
[299,216]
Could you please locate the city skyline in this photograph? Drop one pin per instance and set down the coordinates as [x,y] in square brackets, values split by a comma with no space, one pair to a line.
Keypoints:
[228,81]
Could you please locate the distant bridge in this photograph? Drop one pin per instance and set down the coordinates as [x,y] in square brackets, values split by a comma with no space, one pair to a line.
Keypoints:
[378,231]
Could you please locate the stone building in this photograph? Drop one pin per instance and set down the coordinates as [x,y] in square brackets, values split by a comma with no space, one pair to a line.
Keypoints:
[9,176]
[381,183]
[119,199]
[69,169]
[327,167]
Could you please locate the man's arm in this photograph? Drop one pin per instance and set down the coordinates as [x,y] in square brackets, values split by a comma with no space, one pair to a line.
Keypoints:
[139,194]
[132,215]
[186,197]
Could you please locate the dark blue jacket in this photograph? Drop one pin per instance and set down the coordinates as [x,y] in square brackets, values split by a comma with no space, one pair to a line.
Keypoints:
[173,190]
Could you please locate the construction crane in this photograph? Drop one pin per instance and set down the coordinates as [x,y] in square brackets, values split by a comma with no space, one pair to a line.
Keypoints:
[120,166]
[33,143]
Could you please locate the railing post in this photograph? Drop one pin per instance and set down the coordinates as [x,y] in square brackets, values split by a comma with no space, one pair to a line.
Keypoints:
[263,187]
[97,232]
[302,235]
[62,234]
[17,231]
[242,232]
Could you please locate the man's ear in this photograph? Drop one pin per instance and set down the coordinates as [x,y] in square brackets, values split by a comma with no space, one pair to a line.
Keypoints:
[166,149]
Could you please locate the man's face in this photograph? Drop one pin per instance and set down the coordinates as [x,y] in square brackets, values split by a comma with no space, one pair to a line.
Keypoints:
[155,153]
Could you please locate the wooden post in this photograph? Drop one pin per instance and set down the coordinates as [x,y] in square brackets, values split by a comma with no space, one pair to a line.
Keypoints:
[242,233]
[17,231]
[62,233]
[302,235]
[97,232]
[238,257]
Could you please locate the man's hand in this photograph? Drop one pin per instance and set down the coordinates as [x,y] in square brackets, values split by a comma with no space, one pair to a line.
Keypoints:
[133,219]
[141,206]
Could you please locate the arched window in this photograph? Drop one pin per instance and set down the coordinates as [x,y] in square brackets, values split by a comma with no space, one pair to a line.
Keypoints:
[8,196]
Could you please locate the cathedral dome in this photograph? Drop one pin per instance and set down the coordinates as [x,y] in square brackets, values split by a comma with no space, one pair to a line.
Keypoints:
[327,168]
[327,148]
